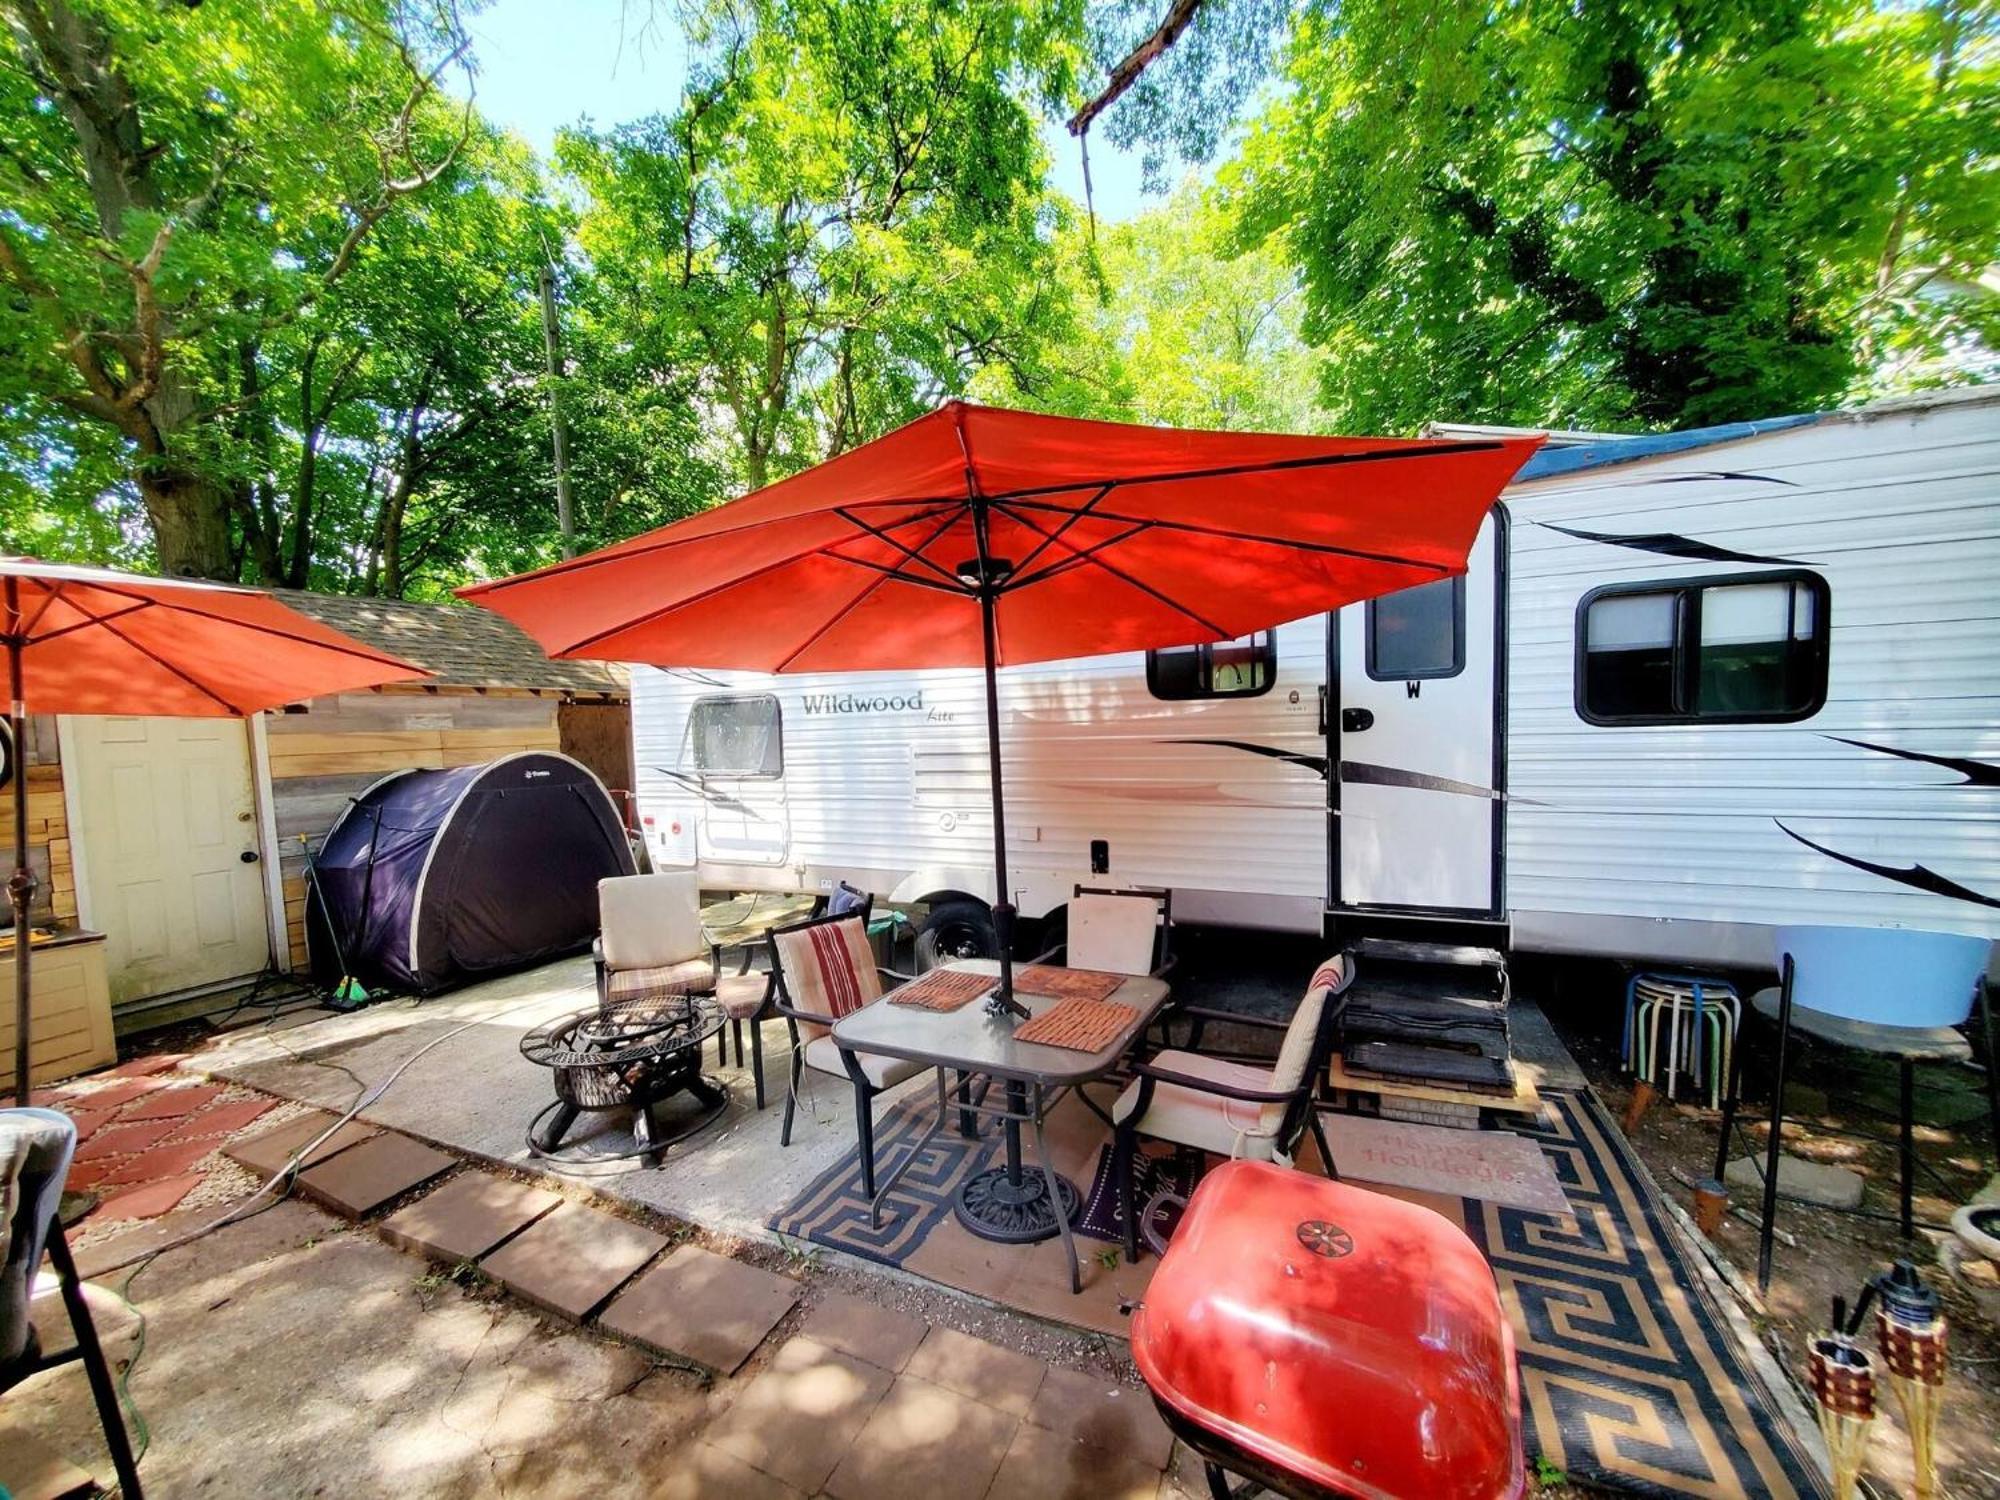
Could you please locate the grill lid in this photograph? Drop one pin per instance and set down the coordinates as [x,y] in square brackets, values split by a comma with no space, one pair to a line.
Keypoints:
[1350,1339]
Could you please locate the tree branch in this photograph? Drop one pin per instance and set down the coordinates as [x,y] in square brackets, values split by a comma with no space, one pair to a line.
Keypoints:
[1179,16]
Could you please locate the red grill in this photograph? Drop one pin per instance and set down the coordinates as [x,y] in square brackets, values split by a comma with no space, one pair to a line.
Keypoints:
[1327,1341]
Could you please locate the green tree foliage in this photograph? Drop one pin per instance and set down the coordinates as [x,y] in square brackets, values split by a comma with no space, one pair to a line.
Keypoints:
[1670,214]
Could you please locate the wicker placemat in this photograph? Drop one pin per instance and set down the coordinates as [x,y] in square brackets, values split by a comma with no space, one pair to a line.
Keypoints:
[1080,1025]
[1070,984]
[943,989]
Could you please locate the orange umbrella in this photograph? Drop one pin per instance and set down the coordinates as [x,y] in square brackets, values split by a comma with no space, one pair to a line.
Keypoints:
[978,535]
[95,641]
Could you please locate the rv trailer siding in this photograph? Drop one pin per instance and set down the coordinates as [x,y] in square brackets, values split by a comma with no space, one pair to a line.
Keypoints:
[1676,828]
[875,792]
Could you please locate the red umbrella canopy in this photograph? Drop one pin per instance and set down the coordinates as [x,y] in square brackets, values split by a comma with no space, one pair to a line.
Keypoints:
[95,641]
[1102,537]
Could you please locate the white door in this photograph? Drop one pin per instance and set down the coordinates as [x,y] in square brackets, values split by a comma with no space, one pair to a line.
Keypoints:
[166,817]
[733,759]
[1416,823]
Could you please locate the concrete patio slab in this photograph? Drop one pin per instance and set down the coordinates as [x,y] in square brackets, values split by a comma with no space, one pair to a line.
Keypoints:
[266,1152]
[1103,1414]
[921,1443]
[705,1306]
[797,1419]
[708,1473]
[359,1180]
[864,1330]
[467,1216]
[1043,1465]
[1000,1378]
[31,1470]
[570,1261]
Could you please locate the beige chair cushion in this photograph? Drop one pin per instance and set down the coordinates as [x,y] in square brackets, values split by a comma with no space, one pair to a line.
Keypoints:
[651,921]
[881,1072]
[1113,933]
[695,977]
[1208,1122]
[829,969]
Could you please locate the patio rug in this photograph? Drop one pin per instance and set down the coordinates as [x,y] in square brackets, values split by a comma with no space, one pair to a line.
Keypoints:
[1099,1218]
[1630,1376]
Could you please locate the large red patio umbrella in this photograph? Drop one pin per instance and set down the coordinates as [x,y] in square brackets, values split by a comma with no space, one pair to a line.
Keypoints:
[95,641]
[979,535]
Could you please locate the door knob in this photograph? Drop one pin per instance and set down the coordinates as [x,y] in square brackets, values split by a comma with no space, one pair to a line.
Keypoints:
[1354,720]
[248,856]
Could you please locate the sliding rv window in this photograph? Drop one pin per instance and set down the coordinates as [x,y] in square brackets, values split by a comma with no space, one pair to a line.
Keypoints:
[734,736]
[1746,649]
[1241,668]
[1418,633]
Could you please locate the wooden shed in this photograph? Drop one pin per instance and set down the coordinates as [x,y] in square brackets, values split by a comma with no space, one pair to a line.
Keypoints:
[169,852]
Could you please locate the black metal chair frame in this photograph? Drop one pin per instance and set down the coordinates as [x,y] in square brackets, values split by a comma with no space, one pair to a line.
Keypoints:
[767,1008]
[1163,955]
[1906,1141]
[103,1388]
[1300,1114]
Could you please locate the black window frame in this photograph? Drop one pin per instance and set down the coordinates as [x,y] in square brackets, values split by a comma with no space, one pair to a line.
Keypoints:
[1687,629]
[1206,650]
[1433,674]
[777,728]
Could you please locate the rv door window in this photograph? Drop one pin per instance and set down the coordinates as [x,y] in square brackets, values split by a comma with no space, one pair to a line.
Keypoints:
[1241,668]
[1746,649]
[1418,633]
[736,737]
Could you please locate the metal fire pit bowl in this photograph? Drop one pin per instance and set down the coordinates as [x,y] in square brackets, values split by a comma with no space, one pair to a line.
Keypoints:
[630,1055]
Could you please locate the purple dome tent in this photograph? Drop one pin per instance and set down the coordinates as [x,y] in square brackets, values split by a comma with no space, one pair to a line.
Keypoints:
[433,878]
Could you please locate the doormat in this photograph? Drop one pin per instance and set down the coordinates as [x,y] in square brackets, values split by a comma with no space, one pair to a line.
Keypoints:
[1494,1166]
[1630,1375]
[1100,1219]
[833,1211]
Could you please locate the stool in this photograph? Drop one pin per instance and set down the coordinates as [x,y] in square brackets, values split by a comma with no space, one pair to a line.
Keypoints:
[745,997]
[1701,1015]
[1891,991]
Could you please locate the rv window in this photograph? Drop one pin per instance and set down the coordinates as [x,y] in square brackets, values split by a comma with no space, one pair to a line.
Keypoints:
[1418,632]
[1241,668]
[736,737]
[1744,649]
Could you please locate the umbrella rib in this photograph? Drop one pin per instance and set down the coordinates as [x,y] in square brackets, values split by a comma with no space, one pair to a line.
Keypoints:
[1267,466]
[1048,541]
[88,622]
[49,599]
[160,661]
[913,555]
[1228,534]
[284,635]
[861,598]
[1078,556]
[1124,577]
[956,590]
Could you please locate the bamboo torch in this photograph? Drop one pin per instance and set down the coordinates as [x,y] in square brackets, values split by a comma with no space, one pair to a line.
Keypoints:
[1843,1386]
[1910,1332]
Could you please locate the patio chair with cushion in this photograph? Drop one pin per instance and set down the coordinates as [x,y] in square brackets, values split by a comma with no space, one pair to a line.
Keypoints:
[35,1150]
[1234,1109]
[651,943]
[751,998]
[1119,932]
[824,969]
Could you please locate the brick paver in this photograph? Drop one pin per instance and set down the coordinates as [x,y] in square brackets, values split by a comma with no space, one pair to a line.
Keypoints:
[156,1163]
[865,1330]
[359,1180]
[224,1118]
[924,1442]
[1043,1465]
[1001,1378]
[467,1217]
[123,1140]
[147,1202]
[797,1419]
[706,1306]
[171,1104]
[269,1150]
[1100,1413]
[573,1259]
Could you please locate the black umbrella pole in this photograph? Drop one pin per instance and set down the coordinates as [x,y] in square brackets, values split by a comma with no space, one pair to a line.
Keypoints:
[1003,908]
[21,887]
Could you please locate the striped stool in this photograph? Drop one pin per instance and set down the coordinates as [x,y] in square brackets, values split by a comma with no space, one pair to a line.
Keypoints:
[1701,1018]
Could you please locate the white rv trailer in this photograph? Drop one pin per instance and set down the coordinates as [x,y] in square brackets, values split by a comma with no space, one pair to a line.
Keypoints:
[1692,685]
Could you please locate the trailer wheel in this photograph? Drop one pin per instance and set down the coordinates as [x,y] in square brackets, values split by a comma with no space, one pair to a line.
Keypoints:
[959,928]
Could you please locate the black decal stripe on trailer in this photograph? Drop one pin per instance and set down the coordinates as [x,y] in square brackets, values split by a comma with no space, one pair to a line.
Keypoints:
[1314,763]
[1975,772]
[1915,876]
[1671,544]
[1359,772]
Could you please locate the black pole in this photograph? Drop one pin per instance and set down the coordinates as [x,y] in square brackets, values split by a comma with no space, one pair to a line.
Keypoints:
[21,886]
[1003,907]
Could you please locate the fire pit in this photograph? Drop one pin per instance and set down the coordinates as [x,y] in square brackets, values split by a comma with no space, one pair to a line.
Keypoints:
[631,1055]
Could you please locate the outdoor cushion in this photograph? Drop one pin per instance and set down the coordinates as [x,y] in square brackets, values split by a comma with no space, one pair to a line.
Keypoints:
[742,996]
[651,921]
[1208,1122]
[35,1150]
[1295,1054]
[1115,934]
[696,976]
[829,969]
[823,1052]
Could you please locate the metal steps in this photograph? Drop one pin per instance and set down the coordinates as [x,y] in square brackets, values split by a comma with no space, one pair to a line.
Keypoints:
[1428,1014]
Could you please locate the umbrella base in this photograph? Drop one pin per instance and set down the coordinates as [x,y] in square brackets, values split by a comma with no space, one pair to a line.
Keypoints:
[1010,1212]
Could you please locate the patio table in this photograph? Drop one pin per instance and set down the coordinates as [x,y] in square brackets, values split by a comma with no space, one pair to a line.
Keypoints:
[1003,1203]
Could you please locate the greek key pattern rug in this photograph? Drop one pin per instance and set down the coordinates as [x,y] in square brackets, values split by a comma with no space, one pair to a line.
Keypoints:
[1630,1377]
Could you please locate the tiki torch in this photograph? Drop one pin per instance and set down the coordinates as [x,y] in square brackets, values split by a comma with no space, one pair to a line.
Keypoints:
[1842,1377]
[1910,1332]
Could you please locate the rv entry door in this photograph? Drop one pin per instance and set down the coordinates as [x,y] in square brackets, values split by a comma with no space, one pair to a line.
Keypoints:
[733,758]
[1412,735]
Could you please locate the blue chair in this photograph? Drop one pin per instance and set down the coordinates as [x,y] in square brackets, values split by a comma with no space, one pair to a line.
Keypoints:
[1889,991]
[35,1150]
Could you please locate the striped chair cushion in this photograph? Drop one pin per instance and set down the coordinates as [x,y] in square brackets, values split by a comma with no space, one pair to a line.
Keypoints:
[829,969]
[693,976]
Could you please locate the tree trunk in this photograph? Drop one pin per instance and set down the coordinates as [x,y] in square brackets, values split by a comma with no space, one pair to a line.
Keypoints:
[190,516]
